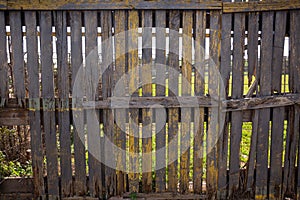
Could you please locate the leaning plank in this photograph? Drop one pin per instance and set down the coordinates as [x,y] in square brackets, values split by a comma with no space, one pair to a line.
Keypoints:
[77,98]
[173,117]
[146,79]
[34,104]
[133,60]
[107,87]
[93,127]
[63,95]
[200,25]
[264,115]
[3,62]
[278,113]
[160,178]
[120,114]
[213,115]
[225,73]
[49,104]
[17,56]
[237,92]
[186,91]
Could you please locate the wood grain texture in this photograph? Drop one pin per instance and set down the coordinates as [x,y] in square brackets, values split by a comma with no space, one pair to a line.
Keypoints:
[48,104]
[117,4]
[173,117]
[133,79]
[34,95]
[3,62]
[160,22]
[63,95]
[78,115]
[198,172]
[120,114]
[93,128]
[17,56]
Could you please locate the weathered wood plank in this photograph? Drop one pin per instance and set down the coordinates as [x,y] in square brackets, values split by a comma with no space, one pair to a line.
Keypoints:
[230,7]
[48,104]
[78,115]
[3,62]
[146,79]
[200,25]
[237,92]
[264,115]
[17,56]
[92,5]
[34,104]
[160,22]
[213,115]
[186,91]
[120,114]
[63,95]
[173,117]
[278,113]
[93,128]
[107,87]
[225,73]
[133,60]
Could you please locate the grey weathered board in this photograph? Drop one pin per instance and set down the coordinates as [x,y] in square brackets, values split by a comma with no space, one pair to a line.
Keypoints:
[3,62]
[48,104]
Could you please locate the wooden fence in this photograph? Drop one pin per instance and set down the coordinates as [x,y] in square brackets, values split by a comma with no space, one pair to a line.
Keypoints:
[45,45]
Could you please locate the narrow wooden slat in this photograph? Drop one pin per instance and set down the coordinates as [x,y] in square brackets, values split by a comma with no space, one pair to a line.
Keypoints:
[107,87]
[213,115]
[200,26]
[186,91]
[34,105]
[78,116]
[93,128]
[278,113]
[133,60]
[237,92]
[173,117]
[63,94]
[146,76]
[120,114]
[108,5]
[225,73]
[160,22]
[3,62]
[17,56]
[229,7]
[264,115]
[48,104]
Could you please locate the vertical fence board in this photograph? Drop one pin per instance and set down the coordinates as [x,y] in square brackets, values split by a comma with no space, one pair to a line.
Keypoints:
[160,22]
[147,92]
[49,104]
[278,113]
[107,86]
[133,61]
[93,127]
[213,113]
[237,93]
[174,23]
[264,116]
[78,115]
[120,114]
[200,25]
[225,73]
[3,62]
[186,91]
[34,104]
[17,56]
[63,95]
